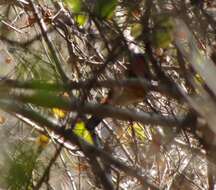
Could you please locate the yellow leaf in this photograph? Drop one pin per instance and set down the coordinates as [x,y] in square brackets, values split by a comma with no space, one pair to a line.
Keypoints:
[81,131]
[58,113]
[42,140]
[198,79]
[139,131]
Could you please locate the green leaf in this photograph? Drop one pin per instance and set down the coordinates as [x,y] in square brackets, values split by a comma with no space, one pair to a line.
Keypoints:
[105,8]
[162,35]
[81,131]
[162,38]
[165,22]
[74,5]
[44,98]
[136,30]
[81,19]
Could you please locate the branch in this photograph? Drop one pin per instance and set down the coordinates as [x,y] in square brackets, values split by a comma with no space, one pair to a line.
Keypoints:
[50,100]
[48,41]
[110,83]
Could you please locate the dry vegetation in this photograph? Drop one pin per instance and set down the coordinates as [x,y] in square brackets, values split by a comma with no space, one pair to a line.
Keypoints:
[112,95]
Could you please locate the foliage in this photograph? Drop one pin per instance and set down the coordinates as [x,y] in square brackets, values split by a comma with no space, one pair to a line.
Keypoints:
[74,5]
[81,131]
[121,92]
[21,166]
[104,8]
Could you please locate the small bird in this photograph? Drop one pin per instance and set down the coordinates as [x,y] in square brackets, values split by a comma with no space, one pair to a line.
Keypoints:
[137,69]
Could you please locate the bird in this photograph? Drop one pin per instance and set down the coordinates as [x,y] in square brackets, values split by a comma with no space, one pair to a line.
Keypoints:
[137,69]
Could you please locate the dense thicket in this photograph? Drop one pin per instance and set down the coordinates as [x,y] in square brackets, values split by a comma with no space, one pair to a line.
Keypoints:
[107,94]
